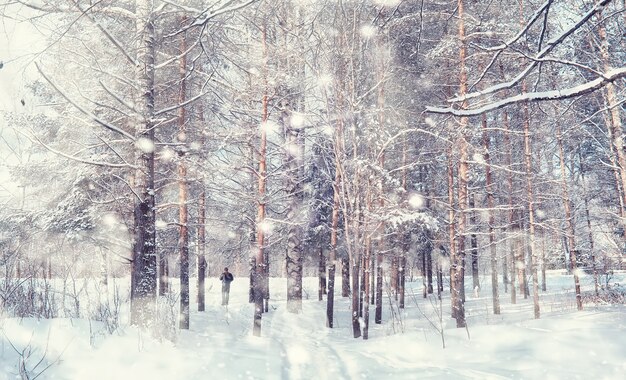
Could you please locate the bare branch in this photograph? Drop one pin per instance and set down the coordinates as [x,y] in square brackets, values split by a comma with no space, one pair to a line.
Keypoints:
[108,35]
[74,158]
[84,111]
[172,108]
[550,45]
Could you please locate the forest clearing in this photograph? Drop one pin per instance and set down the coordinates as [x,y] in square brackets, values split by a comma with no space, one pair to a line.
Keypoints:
[408,345]
[400,188]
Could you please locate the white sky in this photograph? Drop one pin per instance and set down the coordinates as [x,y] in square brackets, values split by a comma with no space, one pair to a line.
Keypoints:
[19,42]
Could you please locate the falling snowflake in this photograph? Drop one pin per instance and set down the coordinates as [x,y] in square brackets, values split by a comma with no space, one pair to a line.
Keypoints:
[368,31]
[166,154]
[328,130]
[324,80]
[416,201]
[270,126]
[478,158]
[293,150]
[145,145]
[195,145]
[297,120]
[266,226]
[109,220]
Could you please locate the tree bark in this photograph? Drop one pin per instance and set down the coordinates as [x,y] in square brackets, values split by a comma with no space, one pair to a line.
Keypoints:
[366,281]
[321,272]
[589,229]
[492,220]
[508,252]
[544,286]
[474,245]
[201,259]
[462,175]
[531,206]
[332,259]
[356,326]
[183,214]
[615,117]
[378,315]
[452,237]
[345,277]
[294,158]
[569,218]
[258,278]
[144,263]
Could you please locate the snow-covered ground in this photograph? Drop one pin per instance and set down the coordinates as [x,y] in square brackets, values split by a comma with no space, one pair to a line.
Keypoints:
[563,344]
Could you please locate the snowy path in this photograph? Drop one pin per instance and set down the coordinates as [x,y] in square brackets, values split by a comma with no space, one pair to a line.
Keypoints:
[564,344]
[307,349]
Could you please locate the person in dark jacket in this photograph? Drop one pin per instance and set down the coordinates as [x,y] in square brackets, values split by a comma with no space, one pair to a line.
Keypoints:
[226,279]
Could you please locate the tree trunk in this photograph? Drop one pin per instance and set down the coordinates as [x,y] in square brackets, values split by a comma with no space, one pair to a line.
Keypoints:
[378,315]
[405,235]
[589,229]
[531,205]
[201,260]
[402,283]
[423,262]
[201,263]
[332,259]
[373,275]
[394,275]
[294,151]
[474,245]
[345,277]
[266,280]
[508,158]
[462,175]
[492,219]
[164,273]
[366,281]
[452,237]
[252,270]
[183,214]
[429,268]
[321,271]
[615,118]
[144,263]
[544,286]
[260,218]
[356,326]
[569,218]
[382,122]
[511,227]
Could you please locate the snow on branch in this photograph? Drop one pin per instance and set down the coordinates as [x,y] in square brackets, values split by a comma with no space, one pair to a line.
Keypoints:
[202,17]
[523,31]
[567,93]
[550,45]
[499,49]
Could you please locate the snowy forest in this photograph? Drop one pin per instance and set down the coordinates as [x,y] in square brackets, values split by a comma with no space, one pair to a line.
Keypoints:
[444,180]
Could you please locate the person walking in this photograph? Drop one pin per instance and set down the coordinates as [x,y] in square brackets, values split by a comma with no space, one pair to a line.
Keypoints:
[226,277]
